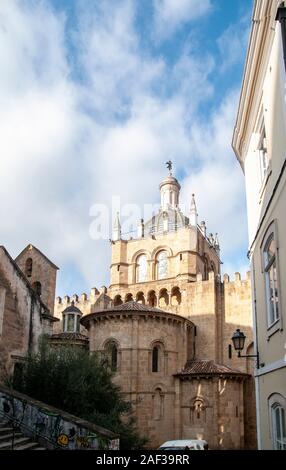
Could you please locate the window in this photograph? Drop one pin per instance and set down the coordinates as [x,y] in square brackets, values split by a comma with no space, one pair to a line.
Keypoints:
[29,267]
[162,265]
[141,268]
[278,427]
[114,357]
[155,359]
[271,281]
[152,299]
[37,286]
[71,323]
[111,349]
[263,156]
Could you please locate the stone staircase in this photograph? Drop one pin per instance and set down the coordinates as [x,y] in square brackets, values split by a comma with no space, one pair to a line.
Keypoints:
[21,442]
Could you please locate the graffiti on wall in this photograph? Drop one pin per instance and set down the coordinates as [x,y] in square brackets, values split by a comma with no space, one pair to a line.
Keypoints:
[50,425]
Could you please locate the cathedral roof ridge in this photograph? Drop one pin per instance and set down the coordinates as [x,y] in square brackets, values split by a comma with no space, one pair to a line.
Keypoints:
[130,307]
[207,367]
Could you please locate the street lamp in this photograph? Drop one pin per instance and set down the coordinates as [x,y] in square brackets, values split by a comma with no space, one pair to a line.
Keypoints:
[238,340]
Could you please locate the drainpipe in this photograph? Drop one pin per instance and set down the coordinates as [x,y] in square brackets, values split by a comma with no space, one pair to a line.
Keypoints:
[255,335]
[281,17]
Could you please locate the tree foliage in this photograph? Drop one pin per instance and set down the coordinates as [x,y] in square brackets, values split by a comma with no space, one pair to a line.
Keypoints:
[81,384]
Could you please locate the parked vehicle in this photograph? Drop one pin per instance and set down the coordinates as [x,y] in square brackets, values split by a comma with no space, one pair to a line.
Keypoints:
[185,444]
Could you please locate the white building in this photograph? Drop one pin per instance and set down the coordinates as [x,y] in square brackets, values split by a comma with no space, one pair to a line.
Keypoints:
[259,142]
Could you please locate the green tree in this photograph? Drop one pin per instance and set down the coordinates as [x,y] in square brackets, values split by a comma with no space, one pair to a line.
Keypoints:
[81,384]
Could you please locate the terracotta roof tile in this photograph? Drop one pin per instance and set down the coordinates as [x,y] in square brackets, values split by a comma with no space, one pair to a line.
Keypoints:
[207,368]
[135,306]
[69,336]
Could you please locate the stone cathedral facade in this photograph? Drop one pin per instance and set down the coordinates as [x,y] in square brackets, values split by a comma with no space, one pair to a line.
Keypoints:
[166,322]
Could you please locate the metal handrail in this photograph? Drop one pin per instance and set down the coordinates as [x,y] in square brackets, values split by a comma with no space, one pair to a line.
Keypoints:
[16,423]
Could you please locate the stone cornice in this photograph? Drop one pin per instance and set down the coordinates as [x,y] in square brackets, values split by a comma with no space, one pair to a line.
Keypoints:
[109,315]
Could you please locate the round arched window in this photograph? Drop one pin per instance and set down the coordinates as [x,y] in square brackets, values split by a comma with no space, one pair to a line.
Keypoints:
[162,265]
[141,268]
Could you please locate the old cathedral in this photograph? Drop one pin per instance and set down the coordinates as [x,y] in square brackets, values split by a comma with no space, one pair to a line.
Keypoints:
[166,322]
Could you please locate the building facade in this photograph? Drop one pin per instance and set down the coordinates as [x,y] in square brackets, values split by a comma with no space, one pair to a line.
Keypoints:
[166,322]
[259,142]
[24,318]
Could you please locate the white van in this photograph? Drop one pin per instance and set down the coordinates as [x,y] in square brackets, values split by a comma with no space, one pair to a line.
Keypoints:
[186,444]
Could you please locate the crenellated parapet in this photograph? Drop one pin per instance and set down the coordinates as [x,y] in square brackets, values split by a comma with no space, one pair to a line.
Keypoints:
[237,278]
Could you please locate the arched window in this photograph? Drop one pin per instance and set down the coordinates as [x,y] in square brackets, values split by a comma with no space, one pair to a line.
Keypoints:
[271,280]
[162,265]
[141,268]
[29,267]
[176,297]
[117,300]
[37,286]
[152,299]
[140,298]
[163,298]
[155,359]
[278,426]
[129,298]
[198,411]
[114,357]
[111,349]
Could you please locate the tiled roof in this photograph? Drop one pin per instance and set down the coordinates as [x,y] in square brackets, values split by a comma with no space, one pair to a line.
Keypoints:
[131,308]
[69,336]
[72,308]
[207,368]
[135,306]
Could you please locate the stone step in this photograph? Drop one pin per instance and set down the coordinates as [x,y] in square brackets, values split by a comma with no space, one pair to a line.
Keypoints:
[28,446]
[7,445]
[21,442]
[9,436]
[5,430]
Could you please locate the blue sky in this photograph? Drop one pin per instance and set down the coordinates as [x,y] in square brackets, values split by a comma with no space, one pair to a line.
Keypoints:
[95,97]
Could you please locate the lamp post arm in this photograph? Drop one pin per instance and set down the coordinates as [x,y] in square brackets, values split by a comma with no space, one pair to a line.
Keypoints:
[250,355]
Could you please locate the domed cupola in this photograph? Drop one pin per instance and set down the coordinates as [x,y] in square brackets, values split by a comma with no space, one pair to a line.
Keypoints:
[170,191]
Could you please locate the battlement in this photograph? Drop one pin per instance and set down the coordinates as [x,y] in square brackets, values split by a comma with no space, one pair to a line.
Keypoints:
[237,278]
[81,299]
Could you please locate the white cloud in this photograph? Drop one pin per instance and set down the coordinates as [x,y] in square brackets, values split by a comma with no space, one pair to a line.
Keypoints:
[169,15]
[233,43]
[67,144]
[218,181]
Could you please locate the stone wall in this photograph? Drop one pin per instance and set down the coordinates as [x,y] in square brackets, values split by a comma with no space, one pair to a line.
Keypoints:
[152,393]
[212,409]
[24,318]
[43,271]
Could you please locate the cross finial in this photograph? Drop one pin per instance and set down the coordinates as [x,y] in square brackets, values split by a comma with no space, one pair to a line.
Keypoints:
[169,166]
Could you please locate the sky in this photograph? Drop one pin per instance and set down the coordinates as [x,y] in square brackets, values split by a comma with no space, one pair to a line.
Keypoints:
[95,97]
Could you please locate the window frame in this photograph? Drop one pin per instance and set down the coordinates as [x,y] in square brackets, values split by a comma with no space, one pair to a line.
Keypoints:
[277,402]
[109,347]
[138,266]
[263,155]
[271,234]
[158,264]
